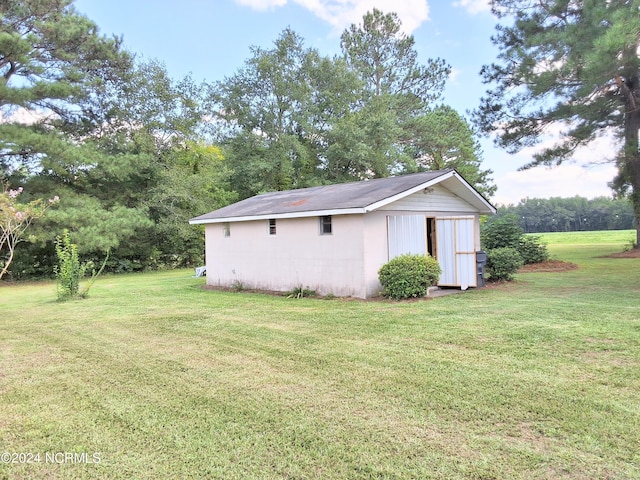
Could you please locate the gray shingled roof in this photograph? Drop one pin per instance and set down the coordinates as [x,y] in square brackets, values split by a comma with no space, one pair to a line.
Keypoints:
[344,196]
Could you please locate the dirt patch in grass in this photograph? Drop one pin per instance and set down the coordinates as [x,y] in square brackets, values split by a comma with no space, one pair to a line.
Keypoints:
[276,293]
[549,266]
[633,253]
[244,290]
[503,285]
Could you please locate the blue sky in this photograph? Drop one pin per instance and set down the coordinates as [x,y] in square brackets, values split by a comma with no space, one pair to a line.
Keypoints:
[211,39]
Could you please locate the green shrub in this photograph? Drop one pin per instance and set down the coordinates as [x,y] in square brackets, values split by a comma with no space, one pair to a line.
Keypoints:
[505,232]
[500,232]
[409,276]
[532,250]
[503,263]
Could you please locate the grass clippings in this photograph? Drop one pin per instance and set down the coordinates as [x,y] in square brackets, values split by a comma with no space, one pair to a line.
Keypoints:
[631,253]
[548,266]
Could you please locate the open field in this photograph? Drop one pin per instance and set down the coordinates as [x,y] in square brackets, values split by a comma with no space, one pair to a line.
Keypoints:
[154,377]
[612,238]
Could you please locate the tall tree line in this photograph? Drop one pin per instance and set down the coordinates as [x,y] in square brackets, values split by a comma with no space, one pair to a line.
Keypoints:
[293,118]
[132,154]
[117,140]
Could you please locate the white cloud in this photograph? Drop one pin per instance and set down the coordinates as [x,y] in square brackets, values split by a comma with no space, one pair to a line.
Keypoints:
[262,4]
[474,6]
[587,174]
[453,76]
[567,180]
[22,115]
[342,13]
[600,150]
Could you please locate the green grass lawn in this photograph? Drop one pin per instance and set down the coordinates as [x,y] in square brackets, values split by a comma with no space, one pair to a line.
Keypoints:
[155,377]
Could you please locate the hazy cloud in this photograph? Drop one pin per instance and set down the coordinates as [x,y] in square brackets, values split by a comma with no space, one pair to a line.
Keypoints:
[342,13]
[22,115]
[587,174]
[453,76]
[473,6]
[563,181]
[262,4]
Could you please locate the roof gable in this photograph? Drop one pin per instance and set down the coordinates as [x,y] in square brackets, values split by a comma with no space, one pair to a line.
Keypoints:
[344,198]
[436,198]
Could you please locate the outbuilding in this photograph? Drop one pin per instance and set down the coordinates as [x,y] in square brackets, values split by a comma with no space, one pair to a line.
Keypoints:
[333,239]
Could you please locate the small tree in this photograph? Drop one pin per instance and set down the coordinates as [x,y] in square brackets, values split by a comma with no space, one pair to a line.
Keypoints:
[69,271]
[408,276]
[15,219]
[532,250]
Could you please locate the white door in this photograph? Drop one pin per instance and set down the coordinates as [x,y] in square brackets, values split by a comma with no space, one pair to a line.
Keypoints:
[456,251]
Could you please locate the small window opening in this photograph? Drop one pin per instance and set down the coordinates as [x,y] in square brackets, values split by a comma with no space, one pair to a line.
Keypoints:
[272,226]
[325,225]
[226,229]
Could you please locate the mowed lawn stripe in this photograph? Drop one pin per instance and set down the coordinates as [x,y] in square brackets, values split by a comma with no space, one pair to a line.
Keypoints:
[535,379]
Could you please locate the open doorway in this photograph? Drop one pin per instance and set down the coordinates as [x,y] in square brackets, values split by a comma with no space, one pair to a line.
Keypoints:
[432,244]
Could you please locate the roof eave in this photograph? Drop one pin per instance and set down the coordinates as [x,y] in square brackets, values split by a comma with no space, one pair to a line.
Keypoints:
[488,209]
[249,218]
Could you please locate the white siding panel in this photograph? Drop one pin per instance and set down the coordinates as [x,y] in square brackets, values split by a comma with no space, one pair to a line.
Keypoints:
[466,270]
[465,235]
[437,199]
[406,234]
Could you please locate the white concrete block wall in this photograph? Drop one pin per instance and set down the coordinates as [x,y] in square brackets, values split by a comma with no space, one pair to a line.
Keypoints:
[297,255]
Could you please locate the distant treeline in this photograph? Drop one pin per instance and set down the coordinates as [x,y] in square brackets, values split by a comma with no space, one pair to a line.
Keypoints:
[571,214]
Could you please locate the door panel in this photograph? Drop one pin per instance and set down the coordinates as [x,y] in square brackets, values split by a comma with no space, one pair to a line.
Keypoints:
[456,251]
[445,235]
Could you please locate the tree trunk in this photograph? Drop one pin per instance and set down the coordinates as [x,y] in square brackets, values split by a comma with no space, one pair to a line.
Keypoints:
[635,195]
[632,165]
[8,261]
[631,169]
